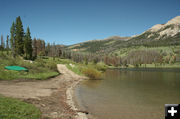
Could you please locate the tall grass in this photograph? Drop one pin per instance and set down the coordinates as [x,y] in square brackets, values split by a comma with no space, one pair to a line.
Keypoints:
[92,73]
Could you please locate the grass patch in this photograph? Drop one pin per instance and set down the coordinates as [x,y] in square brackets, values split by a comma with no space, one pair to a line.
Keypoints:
[14,109]
[75,68]
[39,69]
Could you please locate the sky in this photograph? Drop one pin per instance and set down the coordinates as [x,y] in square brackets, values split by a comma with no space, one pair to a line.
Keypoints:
[72,21]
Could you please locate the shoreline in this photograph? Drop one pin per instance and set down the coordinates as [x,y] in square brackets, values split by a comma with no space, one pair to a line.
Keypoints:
[71,101]
[78,105]
[53,97]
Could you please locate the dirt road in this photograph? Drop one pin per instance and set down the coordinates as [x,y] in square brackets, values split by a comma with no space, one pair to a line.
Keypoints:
[53,97]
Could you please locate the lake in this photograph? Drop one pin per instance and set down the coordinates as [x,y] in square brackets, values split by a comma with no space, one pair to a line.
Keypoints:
[130,93]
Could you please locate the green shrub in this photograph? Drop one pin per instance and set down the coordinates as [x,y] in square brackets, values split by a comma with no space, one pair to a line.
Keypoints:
[101,67]
[40,62]
[51,65]
[92,73]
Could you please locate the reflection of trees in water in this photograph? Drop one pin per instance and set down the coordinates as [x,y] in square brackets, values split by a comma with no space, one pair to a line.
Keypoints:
[114,74]
[159,79]
[92,83]
[145,85]
[146,75]
[124,74]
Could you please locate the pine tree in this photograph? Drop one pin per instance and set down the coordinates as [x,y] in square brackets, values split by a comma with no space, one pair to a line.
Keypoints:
[2,43]
[12,39]
[28,45]
[19,34]
[7,44]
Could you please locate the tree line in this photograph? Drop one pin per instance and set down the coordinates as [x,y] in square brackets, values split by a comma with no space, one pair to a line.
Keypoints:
[135,58]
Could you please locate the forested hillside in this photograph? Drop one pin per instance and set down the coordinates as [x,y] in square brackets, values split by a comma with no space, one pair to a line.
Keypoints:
[99,46]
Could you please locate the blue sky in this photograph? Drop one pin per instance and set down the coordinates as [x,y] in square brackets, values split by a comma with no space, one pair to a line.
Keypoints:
[73,21]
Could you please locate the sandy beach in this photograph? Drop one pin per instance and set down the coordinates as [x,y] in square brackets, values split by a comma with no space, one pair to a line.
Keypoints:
[54,97]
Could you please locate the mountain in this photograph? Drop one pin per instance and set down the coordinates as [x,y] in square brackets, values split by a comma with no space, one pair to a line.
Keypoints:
[170,29]
[160,34]
[167,34]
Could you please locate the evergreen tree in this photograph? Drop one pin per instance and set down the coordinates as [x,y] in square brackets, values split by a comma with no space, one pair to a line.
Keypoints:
[2,43]
[28,45]
[12,39]
[19,34]
[7,44]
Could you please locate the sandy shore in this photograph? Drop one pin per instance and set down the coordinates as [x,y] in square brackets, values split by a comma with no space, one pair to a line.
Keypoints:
[54,97]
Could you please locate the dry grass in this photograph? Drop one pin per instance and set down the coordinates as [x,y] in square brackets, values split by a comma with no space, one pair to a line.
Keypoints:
[92,73]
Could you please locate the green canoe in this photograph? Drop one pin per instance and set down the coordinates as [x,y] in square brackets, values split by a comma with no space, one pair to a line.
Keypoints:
[16,68]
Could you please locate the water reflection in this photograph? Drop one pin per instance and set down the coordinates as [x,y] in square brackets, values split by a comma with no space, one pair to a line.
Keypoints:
[92,83]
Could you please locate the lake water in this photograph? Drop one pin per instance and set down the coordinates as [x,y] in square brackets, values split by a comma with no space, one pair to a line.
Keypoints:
[130,94]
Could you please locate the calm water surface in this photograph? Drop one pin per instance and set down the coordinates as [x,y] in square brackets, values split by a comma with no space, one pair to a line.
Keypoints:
[130,94]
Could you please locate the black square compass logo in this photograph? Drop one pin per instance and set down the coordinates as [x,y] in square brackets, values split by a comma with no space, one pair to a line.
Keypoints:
[172,111]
